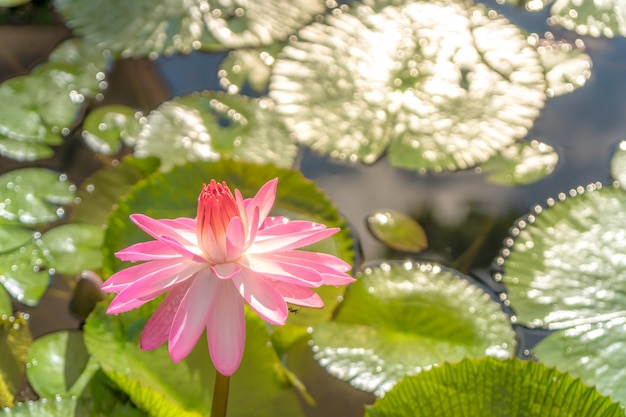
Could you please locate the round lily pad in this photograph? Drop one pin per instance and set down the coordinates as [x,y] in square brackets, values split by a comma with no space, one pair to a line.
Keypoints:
[400,318]
[618,163]
[397,230]
[106,127]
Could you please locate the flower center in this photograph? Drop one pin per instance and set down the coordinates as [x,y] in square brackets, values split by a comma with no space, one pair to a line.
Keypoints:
[216,207]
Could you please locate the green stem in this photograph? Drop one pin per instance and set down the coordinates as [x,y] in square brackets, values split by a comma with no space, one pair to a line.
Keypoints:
[220,395]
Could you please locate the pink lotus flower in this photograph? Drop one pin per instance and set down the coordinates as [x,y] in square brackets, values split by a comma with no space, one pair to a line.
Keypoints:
[231,252]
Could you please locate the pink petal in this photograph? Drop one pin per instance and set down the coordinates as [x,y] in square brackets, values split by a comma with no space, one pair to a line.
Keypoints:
[263,200]
[226,329]
[177,229]
[331,268]
[157,329]
[122,279]
[192,315]
[225,271]
[147,251]
[190,252]
[273,220]
[235,238]
[261,296]
[296,294]
[292,235]
[283,271]
[150,287]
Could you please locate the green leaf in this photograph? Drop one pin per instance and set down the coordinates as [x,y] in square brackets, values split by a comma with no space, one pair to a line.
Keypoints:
[58,364]
[138,28]
[15,339]
[424,79]
[251,67]
[100,193]
[155,383]
[12,237]
[618,163]
[588,17]
[397,230]
[105,128]
[564,270]
[38,109]
[44,407]
[567,67]
[74,247]
[488,387]
[296,198]
[33,195]
[209,125]
[23,273]
[12,3]
[399,318]
[521,163]
[5,303]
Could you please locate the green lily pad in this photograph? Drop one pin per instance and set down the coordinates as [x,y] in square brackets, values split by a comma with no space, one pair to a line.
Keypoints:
[397,230]
[106,127]
[618,163]
[5,303]
[592,18]
[33,195]
[37,110]
[209,125]
[23,273]
[99,193]
[58,364]
[251,67]
[138,28]
[74,247]
[155,383]
[15,339]
[488,387]
[400,318]
[424,79]
[567,67]
[296,198]
[12,3]
[12,237]
[564,270]
[520,164]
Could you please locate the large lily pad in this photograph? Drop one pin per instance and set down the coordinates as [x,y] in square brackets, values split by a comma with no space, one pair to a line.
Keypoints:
[248,67]
[37,110]
[34,195]
[157,384]
[488,387]
[425,79]
[105,128]
[141,28]
[209,125]
[565,269]
[400,318]
[297,198]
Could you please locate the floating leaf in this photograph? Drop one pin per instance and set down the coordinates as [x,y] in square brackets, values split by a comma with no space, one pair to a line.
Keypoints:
[58,364]
[251,67]
[74,247]
[44,407]
[99,193]
[296,198]
[15,339]
[520,164]
[589,17]
[154,382]
[12,237]
[105,127]
[488,387]
[36,110]
[618,163]
[425,79]
[397,230]
[137,28]
[565,269]
[567,67]
[5,304]
[23,273]
[400,318]
[12,3]
[33,195]
[210,125]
